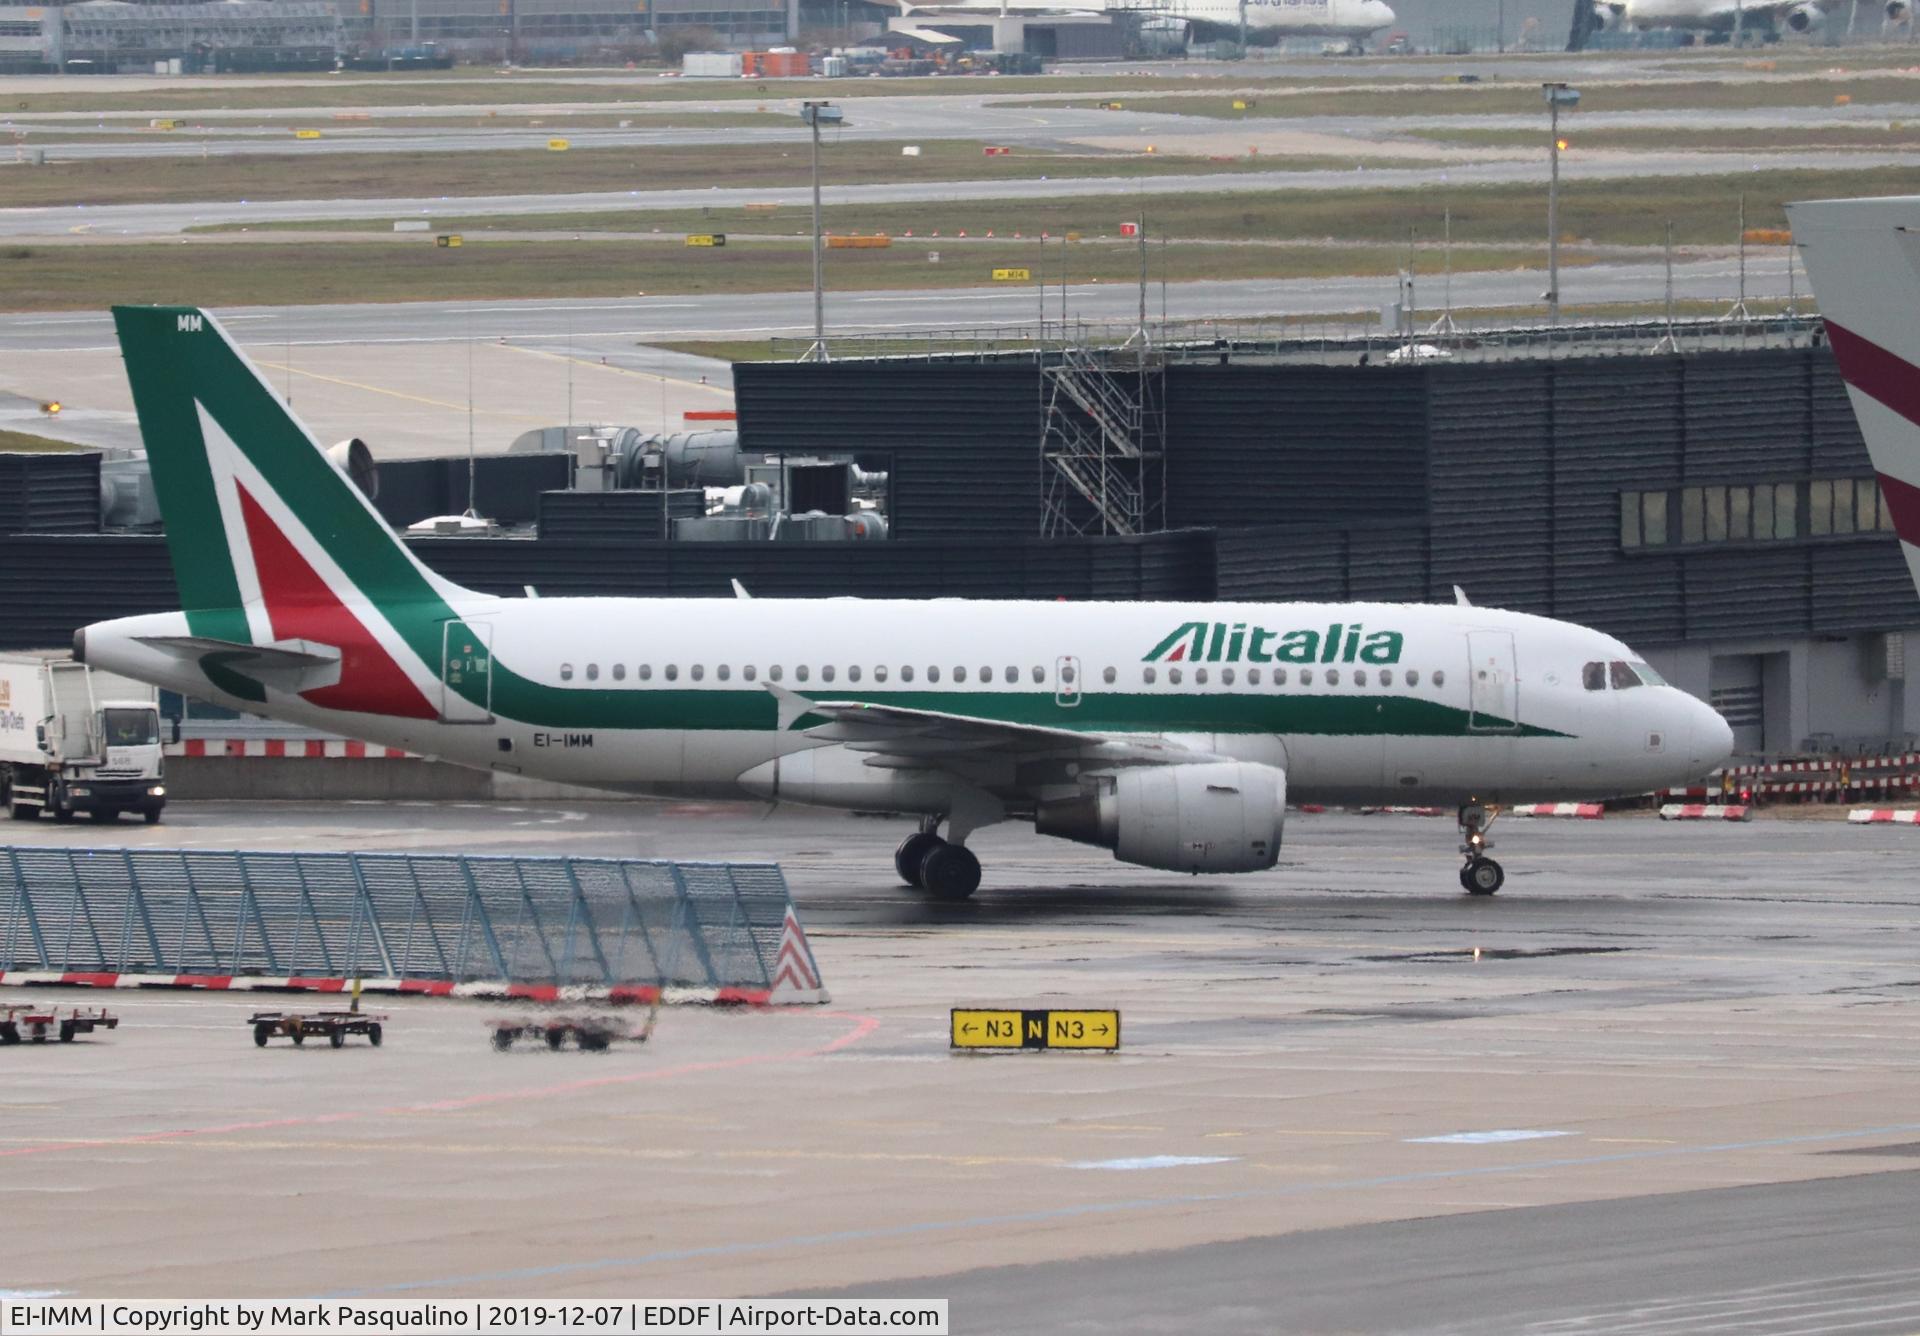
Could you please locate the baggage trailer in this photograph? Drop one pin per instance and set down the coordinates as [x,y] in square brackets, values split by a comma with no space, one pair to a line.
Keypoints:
[333,1026]
[590,1034]
[20,1025]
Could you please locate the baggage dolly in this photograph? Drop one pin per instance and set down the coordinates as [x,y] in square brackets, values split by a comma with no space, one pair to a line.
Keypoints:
[30,1024]
[590,1034]
[333,1026]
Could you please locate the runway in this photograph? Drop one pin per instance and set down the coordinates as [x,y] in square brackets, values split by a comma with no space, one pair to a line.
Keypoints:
[1674,1091]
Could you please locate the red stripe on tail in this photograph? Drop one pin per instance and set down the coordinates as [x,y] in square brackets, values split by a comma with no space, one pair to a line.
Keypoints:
[301,606]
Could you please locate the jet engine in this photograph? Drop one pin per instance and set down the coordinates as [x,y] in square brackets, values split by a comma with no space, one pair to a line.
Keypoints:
[1212,816]
[1897,11]
[1805,18]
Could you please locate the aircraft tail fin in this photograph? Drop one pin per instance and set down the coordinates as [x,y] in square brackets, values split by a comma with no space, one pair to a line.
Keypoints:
[271,541]
[1863,256]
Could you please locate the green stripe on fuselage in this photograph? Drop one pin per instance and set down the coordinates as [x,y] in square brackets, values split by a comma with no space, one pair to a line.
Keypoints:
[751,709]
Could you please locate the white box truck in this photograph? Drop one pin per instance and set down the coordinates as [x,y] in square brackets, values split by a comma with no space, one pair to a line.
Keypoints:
[75,739]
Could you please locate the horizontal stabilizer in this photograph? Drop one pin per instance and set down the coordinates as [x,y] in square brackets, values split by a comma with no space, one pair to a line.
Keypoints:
[287,665]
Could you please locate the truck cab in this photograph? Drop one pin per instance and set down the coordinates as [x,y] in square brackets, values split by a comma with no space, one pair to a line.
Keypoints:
[94,744]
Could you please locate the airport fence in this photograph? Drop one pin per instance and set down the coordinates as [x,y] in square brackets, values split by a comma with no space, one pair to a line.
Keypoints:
[432,923]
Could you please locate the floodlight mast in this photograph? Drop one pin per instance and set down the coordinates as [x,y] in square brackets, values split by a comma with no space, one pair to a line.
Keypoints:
[813,115]
[1558,95]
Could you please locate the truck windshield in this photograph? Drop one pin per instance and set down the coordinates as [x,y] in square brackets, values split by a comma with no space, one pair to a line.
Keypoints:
[131,728]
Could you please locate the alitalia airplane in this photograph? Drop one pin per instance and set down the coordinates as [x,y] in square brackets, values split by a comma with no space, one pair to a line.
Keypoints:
[1173,735]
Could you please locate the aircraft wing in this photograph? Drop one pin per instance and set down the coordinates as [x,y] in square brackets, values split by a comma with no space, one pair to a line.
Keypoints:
[936,737]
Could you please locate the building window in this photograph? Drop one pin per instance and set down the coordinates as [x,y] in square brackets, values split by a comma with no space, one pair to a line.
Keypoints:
[1786,510]
[1716,499]
[1653,518]
[1693,527]
[1819,508]
[1629,519]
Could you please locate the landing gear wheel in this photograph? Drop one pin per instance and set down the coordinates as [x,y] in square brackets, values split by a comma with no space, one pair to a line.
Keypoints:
[912,853]
[950,872]
[1482,876]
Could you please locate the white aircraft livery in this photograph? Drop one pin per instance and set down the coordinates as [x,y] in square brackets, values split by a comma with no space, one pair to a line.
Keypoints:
[1174,735]
[1863,256]
[1759,19]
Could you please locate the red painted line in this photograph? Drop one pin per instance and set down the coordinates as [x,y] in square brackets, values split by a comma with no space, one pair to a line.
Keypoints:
[356,749]
[318,985]
[863,1026]
[214,981]
[429,987]
[533,992]
[85,980]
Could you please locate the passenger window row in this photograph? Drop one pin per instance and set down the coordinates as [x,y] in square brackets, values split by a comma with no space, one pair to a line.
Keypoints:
[1149,675]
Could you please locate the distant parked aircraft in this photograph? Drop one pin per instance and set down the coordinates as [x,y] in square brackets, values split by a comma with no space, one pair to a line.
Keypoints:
[1758,18]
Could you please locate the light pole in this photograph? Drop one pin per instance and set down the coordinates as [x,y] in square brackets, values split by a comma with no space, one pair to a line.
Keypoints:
[814,114]
[1558,95]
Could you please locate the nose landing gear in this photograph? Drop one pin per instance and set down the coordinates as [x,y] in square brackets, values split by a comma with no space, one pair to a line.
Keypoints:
[1481,875]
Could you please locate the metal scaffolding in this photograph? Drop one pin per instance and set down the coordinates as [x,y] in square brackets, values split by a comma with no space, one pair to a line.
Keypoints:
[1103,440]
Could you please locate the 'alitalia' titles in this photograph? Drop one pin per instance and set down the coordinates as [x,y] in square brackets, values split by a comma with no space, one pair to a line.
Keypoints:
[1237,642]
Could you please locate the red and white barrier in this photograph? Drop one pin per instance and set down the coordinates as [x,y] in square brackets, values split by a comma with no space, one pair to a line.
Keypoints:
[1403,811]
[781,994]
[1706,812]
[1881,816]
[305,748]
[1580,811]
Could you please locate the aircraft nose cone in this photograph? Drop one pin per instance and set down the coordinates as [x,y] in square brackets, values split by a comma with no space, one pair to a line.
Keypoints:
[1710,737]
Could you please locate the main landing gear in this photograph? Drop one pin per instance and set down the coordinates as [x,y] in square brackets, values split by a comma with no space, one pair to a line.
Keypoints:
[942,869]
[1481,875]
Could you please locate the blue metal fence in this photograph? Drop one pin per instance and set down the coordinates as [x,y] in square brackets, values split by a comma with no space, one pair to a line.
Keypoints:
[592,922]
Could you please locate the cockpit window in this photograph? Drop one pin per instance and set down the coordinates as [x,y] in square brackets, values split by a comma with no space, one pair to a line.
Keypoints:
[1647,674]
[1594,677]
[1622,675]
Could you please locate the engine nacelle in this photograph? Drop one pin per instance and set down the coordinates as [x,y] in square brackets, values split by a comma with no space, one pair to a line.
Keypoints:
[1897,10]
[1216,816]
[1805,18]
[1610,18]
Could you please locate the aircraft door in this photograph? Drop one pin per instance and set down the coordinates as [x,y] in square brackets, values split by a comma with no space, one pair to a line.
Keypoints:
[1066,681]
[1493,684]
[466,672]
